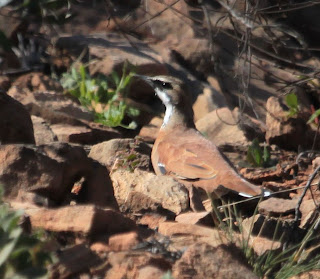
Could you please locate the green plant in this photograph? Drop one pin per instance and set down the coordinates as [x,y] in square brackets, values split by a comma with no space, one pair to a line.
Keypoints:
[314,117]
[102,95]
[287,261]
[257,156]
[291,100]
[21,255]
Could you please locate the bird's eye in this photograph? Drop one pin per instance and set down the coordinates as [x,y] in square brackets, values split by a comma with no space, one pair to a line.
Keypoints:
[166,85]
[163,84]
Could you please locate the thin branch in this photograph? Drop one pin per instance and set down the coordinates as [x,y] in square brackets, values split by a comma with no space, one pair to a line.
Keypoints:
[306,188]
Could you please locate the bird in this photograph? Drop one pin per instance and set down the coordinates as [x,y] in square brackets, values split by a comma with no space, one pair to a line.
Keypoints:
[182,152]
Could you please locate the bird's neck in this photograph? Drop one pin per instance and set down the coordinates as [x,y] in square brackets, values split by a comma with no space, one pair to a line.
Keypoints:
[177,116]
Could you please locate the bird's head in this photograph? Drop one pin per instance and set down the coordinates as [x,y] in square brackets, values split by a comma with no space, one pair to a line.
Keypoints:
[168,89]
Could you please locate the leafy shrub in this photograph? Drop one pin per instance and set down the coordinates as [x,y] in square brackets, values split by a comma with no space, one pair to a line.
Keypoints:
[104,96]
[21,255]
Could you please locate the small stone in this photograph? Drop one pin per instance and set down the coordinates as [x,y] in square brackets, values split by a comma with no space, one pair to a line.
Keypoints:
[123,241]
[174,228]
[42,132]
[195,218]
[152,220]
[277,206]
[38,82]
[309,213]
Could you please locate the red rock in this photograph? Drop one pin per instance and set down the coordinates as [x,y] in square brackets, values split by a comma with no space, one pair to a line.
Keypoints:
[150,131]
[52,106]
[220,126]
[115,153]
[204,104]
[37,82]
[4,84]
[152,220]
[130,264]
[286,132]
[277,206]
[173,228]
[72,261]
[50,171]
[313,274]
[83,134]
[204,261]
[309,213]
[110,57]
[42,132]
[123,241]
[100,247]
[15,122]
[141,190]
[86,219]
[195,218]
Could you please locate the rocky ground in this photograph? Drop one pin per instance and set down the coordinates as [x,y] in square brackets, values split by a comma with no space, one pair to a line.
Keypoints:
[93,187]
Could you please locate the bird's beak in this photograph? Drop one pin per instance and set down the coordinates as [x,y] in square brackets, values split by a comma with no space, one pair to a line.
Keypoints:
[146,79]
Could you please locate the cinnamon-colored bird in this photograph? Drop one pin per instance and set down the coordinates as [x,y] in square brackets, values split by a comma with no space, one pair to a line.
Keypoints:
[183,153]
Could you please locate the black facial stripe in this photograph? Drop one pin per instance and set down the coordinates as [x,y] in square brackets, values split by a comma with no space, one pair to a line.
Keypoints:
[162,84]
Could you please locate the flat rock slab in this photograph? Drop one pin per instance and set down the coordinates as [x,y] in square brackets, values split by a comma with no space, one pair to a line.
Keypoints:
[123,152]
[276,206]
[200,218]
[83,134]
[87,219]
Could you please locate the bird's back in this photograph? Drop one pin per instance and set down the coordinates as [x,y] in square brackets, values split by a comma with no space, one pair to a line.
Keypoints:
[186,155]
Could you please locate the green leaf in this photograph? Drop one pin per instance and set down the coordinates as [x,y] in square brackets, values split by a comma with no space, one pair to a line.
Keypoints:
[315,115]
[115,78]
[292,100]
[254,154]
[82,72]
[9,245]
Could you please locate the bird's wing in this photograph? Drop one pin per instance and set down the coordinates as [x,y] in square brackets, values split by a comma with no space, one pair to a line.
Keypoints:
[183,162]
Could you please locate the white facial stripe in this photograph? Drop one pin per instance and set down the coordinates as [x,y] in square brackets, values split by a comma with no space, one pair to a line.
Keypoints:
[163,96]
[167,115]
